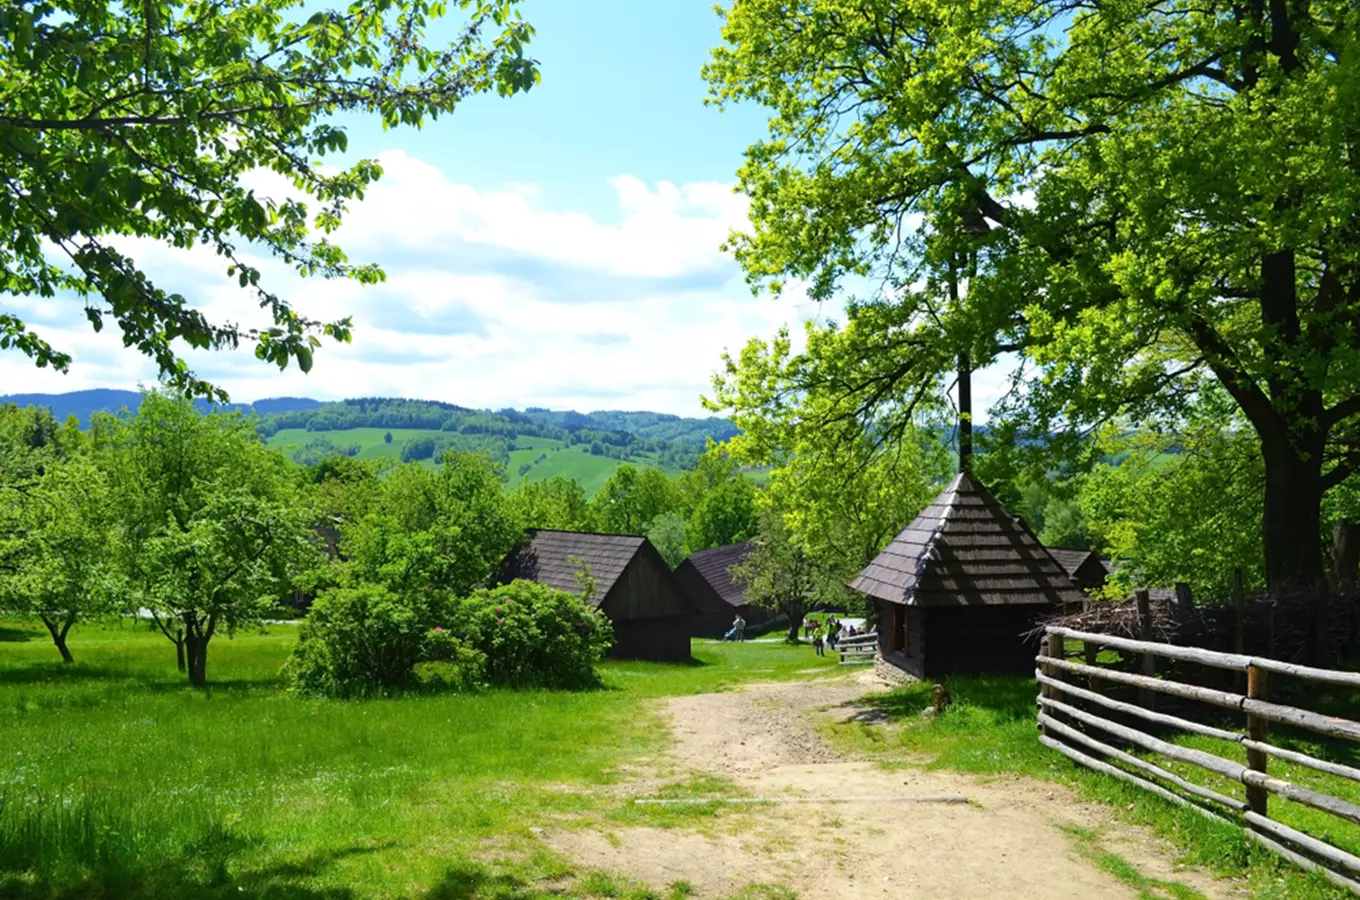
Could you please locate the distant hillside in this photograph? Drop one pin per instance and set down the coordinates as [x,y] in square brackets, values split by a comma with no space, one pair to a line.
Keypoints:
[430,427]
[582,445]
[82,404]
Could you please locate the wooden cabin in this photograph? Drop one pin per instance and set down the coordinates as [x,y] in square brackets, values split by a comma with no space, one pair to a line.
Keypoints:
[956,591]
[1084,567]
[634,587]
[719,595]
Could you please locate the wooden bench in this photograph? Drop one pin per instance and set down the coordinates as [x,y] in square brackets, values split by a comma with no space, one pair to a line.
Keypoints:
[862,648]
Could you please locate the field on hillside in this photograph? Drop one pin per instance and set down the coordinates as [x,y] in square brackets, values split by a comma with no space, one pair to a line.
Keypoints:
[120,781]
[545,457]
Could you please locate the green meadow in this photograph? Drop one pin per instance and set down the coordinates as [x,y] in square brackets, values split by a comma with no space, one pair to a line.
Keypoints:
[119,781]
[545,457]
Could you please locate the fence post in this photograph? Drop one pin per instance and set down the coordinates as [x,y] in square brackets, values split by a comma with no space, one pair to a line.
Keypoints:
[1185,599]
[1270,630]
[1239,596]
[1149,663]
[1257,727]
[1053,647]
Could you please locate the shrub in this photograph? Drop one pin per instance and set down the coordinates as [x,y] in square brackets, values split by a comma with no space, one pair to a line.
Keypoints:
[370,640]
[448,664]
[360,641]
[533,636]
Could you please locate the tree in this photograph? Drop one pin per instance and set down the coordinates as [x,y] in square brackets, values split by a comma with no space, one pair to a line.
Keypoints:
[667,534]
[55,547]
[778,573]
[720,502]
[632,498]
[725,515]
[1178,507]
[1167,195]
[387,438]
[554,503]
[439,529]
[210,530]
[418,448]
[146,119]
[844,489]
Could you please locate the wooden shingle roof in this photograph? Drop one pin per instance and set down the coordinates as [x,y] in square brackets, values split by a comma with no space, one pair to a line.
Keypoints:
[554,558]
[965,550]
[715,567]
[1072,560]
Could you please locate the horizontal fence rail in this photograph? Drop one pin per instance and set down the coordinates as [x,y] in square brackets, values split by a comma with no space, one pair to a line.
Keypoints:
[1078,720]
[858,650]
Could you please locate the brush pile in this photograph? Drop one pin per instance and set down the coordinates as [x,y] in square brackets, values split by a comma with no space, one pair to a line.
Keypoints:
[1305,628]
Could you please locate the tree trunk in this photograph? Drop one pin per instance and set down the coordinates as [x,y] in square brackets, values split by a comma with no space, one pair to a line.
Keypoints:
[196,651]
[1346,558]
[1292,523]
[1292,527]
[59,637]
[797,610]
[179,651]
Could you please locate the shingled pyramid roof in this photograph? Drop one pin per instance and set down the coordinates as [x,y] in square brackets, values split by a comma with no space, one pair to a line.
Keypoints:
[966,550]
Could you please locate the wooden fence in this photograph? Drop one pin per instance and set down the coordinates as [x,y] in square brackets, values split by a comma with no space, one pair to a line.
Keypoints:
[858,650]
[1070,714]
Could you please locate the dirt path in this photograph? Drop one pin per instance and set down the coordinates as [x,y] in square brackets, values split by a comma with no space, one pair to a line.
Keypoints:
[1008,841]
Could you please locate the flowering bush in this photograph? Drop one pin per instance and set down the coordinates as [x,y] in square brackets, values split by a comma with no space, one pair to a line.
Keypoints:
[532,635]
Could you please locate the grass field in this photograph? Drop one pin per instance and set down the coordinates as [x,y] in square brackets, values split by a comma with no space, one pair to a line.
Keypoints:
[573,462]
[119,781]
[989,729]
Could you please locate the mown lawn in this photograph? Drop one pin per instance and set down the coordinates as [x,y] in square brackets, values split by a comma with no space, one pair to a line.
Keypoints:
[989,729]
[117,780]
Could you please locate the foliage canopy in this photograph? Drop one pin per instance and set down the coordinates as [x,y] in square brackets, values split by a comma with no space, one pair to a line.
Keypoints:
[1155,196]
[155,120]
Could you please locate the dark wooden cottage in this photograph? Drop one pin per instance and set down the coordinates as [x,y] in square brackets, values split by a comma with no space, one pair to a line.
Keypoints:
[1084,567]
[958,588]
[720,596]
[634,587]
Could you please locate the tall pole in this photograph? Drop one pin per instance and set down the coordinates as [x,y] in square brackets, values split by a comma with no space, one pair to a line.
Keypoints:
[965,379]
[965,413]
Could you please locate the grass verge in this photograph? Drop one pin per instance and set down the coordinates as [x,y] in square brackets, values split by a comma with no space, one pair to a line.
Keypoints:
[989,729]
[117,780]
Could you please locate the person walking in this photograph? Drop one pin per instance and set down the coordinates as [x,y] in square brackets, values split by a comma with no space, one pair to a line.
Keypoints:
[818,640]
[739,628]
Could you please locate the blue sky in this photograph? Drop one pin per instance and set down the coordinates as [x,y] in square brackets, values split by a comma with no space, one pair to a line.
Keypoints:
[558,248]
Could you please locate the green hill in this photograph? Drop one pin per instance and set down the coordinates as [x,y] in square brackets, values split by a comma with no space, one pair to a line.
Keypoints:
[531,459]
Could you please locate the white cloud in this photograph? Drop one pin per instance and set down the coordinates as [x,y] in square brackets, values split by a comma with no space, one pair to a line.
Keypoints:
[664,231]
[492,299]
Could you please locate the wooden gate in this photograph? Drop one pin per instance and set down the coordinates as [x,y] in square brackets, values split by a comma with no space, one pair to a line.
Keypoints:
[1080,719]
